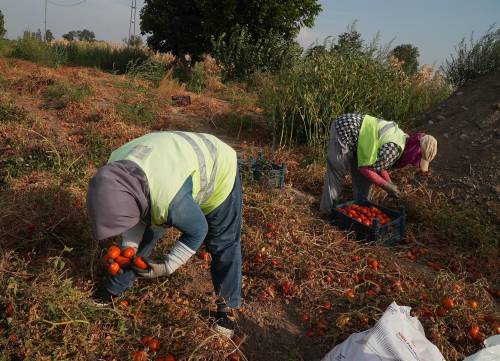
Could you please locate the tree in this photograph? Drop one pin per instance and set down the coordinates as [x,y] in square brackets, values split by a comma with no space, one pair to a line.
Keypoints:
[70,36]
[409,55]
[85,35]
[349,42]
[2,25]
[49,36]
[82,35]
[187,26]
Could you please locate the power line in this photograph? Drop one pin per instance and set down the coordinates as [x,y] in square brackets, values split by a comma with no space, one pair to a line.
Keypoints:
[66,5]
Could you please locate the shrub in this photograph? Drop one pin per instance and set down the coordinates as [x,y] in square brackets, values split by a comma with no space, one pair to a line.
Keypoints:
[148,69]
[31,48]
[137,113]
[9,112]
[301,101]
[59,95]
[240,55]
[474,59]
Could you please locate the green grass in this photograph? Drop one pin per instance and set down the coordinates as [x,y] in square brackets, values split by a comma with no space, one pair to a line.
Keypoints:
[98,148]
[32,49]
[300,102]
[27,160]
[59,95]
[10,112]
[136,113]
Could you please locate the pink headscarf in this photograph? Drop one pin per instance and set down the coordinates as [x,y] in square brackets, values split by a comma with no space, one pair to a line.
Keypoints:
[412,153]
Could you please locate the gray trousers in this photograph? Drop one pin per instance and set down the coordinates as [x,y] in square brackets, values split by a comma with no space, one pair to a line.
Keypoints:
[339,160]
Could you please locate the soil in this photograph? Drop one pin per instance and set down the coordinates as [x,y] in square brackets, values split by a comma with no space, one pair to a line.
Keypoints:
[466,126]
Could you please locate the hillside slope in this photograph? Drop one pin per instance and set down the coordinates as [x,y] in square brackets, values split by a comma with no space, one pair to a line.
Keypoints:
[467,128]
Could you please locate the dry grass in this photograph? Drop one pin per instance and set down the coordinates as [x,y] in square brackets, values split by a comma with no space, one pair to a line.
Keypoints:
[293,259]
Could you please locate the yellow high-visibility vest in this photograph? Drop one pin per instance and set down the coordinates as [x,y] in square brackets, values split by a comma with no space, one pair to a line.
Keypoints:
[169,158]
[373,134]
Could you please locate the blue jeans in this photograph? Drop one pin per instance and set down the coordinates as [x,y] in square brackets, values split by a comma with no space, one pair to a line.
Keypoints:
[223,242]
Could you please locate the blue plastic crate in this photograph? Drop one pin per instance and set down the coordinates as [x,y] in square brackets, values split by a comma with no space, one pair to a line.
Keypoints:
[262,169]
[389,233]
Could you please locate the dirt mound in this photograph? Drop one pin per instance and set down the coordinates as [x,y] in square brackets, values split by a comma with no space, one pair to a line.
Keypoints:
[467,128]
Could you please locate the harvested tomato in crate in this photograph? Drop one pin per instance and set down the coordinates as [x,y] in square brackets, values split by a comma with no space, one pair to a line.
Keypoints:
[371,222]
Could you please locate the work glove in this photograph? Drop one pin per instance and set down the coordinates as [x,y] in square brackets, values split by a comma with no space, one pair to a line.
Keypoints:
[391,189]
[156,269]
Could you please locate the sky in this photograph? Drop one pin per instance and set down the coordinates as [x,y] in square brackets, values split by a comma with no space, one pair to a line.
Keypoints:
[434,26]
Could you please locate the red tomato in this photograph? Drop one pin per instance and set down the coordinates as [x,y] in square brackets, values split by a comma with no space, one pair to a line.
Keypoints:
[472,304]
[128,252]
[145,340]
[448,303]
[374,264]
[114,269]
[123,262]
[140,356]
[305,317]
[351,294]
[113,252]
[204,255]
[474,332]
[327,306]
[154,344]
[140,263]
[310,333]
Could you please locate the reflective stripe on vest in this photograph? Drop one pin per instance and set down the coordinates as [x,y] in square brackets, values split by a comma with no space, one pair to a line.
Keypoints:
[213,152]
[385,128]
[206,188]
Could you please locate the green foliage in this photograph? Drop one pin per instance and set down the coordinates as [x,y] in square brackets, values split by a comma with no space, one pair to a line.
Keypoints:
[59,95]
[409,55]
[198,79]
[10,112]
[2,25]
[102,55]
[301,101]
[33,49]
[186,26]
[148,69]
[349,42]
[49,36]
[240,54]
[472,60]
[98,148]
[137,113]
[82,35]
[26,160]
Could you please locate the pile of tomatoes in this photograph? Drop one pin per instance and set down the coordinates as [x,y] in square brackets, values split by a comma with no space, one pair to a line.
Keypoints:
[121,259]
[365,214]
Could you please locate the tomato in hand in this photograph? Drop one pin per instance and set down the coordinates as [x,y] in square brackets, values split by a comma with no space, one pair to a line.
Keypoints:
[113,252]
[140,263]
[128,252]
[114,269]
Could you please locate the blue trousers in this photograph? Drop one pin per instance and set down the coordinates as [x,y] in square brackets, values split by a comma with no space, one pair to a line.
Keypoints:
[223,242]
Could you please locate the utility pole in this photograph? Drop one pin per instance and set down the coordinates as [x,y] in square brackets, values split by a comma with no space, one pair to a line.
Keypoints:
[45,23]
[133,16]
